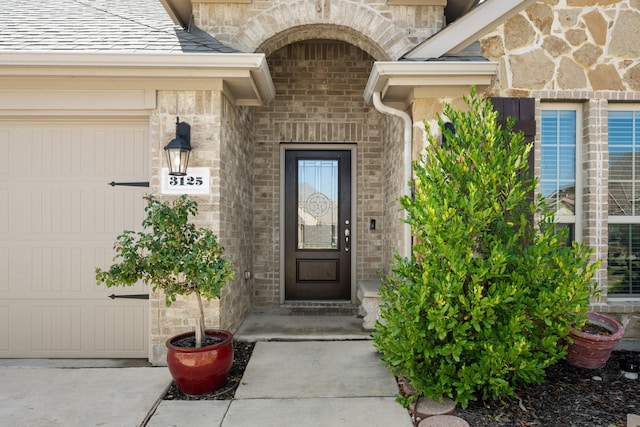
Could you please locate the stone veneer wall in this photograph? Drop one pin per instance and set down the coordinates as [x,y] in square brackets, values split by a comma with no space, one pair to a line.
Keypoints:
[569,45]
[394,28]
[319,86]
[584,52]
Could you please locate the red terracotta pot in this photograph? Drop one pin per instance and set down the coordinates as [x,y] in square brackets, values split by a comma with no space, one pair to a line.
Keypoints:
[198,371]
[592,351]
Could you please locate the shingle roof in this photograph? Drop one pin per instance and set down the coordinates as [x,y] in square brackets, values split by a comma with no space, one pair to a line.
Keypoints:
[97,26]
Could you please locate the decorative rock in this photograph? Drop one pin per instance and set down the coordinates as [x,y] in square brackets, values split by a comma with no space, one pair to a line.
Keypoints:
[632,77]
[555,46]
[405,387]
[583,3]
[541,15]
[588,55]
[424,407]
[605,76]
[570,75]
[518,33]
[443,421]
[575,36]
[522,64]
[624,32]
[492,47]
[568,17]
[597,26]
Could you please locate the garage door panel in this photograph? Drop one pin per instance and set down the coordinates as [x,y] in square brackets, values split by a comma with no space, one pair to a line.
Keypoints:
[4,151]
[111,211]
[87,214]
[4,270]
[56,328]
[4,328]
[118,153]
[56,152]
[57,272]
[58,222]
[112,331]
[4,210]
[54,270]
[55,210]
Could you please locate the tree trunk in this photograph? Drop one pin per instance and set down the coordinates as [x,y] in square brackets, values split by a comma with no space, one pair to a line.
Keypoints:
[200,323]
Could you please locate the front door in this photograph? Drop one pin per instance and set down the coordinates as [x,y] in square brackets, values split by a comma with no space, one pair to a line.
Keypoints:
[317,225]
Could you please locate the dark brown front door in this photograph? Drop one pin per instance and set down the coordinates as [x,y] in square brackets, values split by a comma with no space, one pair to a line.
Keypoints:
[317,225]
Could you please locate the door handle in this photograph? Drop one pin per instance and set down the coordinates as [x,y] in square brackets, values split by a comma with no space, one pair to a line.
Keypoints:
[347,234]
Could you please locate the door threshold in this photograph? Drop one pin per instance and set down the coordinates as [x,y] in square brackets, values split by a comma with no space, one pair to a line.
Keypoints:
[320,308]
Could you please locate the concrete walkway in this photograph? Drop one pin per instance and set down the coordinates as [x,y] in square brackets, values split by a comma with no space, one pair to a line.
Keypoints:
[332,381]
[56,396]
[319,384]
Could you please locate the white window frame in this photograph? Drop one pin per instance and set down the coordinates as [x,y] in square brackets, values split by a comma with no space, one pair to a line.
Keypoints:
[621,219]
[576,218]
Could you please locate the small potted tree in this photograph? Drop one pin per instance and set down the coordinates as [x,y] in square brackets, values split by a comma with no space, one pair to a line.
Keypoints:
[174,256]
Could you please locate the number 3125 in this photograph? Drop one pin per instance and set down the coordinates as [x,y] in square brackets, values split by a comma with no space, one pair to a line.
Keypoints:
[186,180]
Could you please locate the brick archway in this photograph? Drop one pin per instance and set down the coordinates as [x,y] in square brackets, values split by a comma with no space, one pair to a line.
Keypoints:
[342,20]
[323,32]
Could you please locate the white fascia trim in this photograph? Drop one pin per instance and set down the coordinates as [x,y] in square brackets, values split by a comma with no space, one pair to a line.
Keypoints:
[469,28]
[251,66]
[385,75]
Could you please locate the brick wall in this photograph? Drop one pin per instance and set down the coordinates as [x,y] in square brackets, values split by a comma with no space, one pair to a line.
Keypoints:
[202,110]
[319,86]
[393,186]
[236,208]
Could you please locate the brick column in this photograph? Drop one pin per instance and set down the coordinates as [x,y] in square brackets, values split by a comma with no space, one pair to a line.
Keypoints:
[595,164]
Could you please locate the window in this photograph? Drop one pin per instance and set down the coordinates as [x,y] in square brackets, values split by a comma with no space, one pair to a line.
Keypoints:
[559,180]
[623,268]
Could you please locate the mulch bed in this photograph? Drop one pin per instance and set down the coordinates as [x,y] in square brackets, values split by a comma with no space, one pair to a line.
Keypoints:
[241,354]
[570,397]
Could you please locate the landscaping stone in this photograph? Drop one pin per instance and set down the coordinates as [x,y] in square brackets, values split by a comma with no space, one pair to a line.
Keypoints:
[424,408]
[443,421]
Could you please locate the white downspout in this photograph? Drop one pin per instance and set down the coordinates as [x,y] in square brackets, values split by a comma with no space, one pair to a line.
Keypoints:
[408,136]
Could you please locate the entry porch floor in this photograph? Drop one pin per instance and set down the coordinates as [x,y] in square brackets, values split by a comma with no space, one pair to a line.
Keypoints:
[302,324]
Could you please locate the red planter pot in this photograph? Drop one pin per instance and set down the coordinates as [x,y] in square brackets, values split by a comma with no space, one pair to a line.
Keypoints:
[198,371]
[592,351]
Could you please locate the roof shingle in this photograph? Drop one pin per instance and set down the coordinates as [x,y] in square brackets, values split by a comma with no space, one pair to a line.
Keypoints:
[97,26]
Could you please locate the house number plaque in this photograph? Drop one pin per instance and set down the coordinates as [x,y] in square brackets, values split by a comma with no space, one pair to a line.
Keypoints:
[195,182]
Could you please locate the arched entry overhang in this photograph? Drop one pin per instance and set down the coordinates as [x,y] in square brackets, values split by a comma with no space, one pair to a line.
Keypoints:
[319,73]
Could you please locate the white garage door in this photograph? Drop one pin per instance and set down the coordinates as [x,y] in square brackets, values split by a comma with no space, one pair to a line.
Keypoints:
[58,221]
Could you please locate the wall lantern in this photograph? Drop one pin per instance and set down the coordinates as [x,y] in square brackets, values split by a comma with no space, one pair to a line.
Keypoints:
[178,149]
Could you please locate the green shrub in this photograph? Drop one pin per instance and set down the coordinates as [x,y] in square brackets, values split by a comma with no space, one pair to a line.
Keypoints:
[489,293]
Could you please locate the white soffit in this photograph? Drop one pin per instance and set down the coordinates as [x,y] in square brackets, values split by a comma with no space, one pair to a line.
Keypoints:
[180,11]
[469,28]
[244,76]
[397,81]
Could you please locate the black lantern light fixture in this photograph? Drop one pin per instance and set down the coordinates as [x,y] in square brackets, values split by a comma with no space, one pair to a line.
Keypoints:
[178,149]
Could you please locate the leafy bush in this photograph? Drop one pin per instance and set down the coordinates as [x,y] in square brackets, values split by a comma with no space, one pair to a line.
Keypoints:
[489,293]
